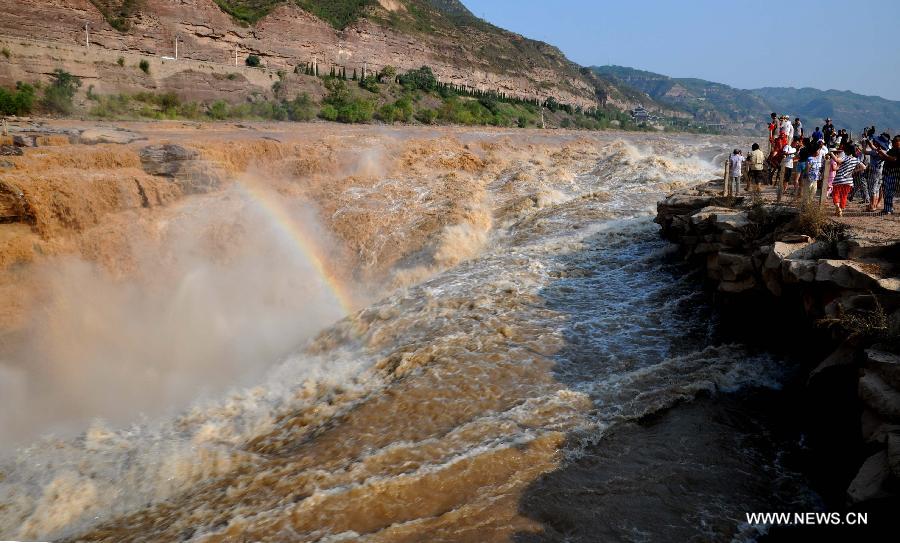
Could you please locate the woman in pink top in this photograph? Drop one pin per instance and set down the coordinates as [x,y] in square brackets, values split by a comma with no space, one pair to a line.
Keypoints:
[834,166]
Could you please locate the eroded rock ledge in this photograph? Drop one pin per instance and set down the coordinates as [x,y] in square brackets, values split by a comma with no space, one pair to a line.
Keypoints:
[846,282]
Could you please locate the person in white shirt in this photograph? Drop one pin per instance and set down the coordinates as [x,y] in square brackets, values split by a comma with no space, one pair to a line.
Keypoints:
[733,183]
[787,169]
[787,126]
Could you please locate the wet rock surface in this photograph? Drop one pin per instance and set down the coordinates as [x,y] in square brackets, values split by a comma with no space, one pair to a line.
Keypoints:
[183,165]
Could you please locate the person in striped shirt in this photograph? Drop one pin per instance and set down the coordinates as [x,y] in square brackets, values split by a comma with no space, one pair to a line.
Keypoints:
[891,173]
[847,165]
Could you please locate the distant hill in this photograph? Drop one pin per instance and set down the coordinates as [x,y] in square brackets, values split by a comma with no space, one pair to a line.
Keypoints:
[744,110]
[847,108]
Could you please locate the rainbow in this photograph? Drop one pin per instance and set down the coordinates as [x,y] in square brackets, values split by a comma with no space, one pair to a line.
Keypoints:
[304,243]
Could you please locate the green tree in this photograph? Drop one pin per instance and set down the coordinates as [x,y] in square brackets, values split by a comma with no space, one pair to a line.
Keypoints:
[420,79]
[253,61]
[388,73]
[300,108]
[59,94]
[144,65]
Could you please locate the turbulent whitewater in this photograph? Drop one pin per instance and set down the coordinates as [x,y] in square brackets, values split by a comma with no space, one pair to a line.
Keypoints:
[512,305]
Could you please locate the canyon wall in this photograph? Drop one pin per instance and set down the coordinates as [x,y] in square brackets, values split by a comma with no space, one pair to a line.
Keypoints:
[286,37]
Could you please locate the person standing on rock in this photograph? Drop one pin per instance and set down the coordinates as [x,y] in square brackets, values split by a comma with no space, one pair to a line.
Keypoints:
[734,181]
[891,173]
[847,165]
[757,164]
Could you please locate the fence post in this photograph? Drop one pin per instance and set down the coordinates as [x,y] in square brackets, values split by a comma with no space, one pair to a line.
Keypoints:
[826,169]
[727,167]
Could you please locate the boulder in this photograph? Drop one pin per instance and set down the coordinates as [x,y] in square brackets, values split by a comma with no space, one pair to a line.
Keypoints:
[782,250]
[93,136]
[798,271]
[893,452]
[10,150]
[166,159]
[873,428]
[724,218]
[736,287]
[734,266]
[858,248]
[886,365]
[732,238]
[795,238]
[879,396]
[870,480]
[194,176]
[846,274]
[197,177]
[23,141]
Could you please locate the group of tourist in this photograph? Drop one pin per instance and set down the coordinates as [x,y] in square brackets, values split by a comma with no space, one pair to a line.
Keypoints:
[867,169]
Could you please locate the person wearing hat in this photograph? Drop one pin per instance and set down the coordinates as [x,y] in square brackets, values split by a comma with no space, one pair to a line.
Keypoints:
[787,169]
[787,126]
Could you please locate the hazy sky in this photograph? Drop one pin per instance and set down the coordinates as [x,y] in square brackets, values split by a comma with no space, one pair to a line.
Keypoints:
[824,43]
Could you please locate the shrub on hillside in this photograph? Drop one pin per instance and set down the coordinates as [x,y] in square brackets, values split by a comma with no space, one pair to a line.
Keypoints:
[421,79]
[144,65]
[18,102]
[218,110]
[300,108]
[59,94]
[252,61]
[369,83]
[388,73]
[426,116]
[328,112]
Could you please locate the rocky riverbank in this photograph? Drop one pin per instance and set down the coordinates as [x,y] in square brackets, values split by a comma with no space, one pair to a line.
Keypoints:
[837,283]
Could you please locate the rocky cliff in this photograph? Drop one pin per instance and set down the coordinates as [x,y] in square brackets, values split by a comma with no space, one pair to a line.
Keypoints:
[460,48]
[841,292]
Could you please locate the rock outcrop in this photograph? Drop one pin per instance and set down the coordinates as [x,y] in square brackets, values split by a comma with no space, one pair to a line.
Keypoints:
[183,165]
[753,254]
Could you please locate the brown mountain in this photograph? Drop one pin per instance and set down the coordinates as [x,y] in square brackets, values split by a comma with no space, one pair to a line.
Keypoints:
[357,34]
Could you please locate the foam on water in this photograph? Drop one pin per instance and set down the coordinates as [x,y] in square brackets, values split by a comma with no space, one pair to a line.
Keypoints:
[545,316]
